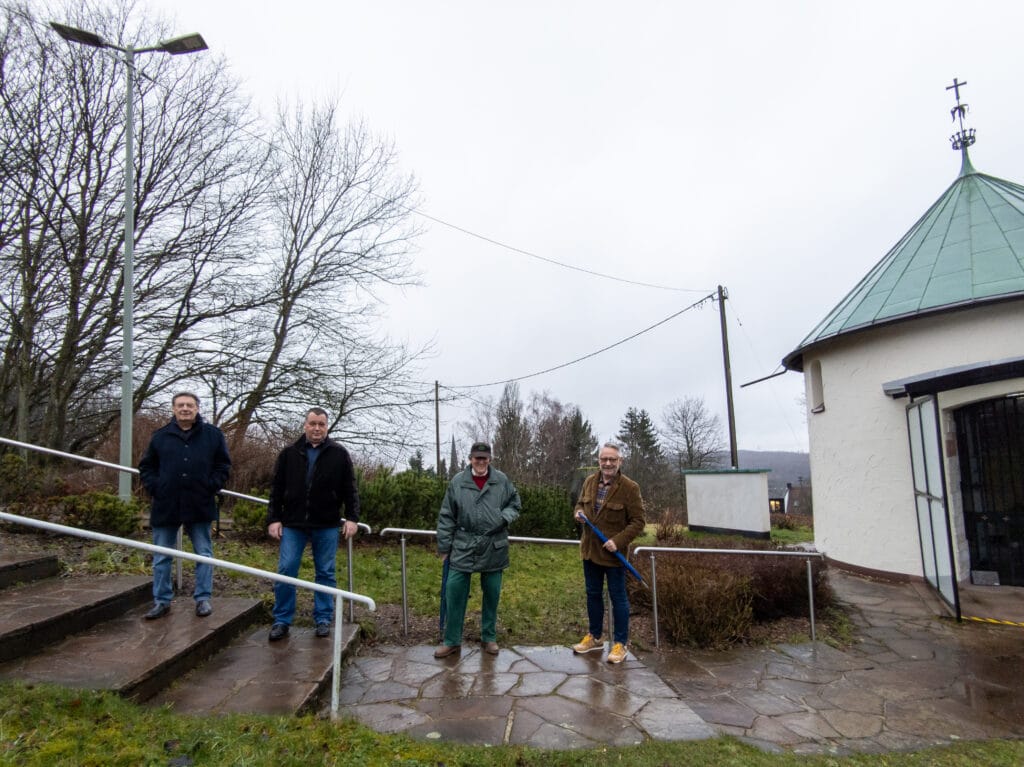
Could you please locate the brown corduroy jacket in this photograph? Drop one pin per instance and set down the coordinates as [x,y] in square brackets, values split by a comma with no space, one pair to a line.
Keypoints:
[621,518]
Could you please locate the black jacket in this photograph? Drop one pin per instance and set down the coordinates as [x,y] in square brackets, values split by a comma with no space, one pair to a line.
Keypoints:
[183,472]
[333,485]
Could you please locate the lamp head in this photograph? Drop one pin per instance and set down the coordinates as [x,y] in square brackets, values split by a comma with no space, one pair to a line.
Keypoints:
[74,35]
[185,44]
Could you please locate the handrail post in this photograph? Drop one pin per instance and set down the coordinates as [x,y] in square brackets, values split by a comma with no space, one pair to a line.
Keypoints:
[336,659]
[177,560]
[654,601]
[351,587]
[405,592]
[810,596]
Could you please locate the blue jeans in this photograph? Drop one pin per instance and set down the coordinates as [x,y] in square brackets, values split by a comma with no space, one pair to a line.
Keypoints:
[199,534]
[324,542]
[593,577]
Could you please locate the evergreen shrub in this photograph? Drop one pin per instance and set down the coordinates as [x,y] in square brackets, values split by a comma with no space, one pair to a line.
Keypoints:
[546,513]
[249,518]
[17,483]
[409,499]
[100,512]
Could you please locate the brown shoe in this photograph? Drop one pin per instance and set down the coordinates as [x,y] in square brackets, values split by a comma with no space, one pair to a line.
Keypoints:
[447,649]
[491,648]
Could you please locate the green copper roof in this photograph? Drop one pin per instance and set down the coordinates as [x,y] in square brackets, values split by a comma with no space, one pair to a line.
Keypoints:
[967,249]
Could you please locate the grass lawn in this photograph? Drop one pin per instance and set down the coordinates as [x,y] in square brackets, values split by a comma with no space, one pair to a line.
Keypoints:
[53,727]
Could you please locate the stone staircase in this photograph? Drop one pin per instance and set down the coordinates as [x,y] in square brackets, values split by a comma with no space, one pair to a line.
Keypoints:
[89,632]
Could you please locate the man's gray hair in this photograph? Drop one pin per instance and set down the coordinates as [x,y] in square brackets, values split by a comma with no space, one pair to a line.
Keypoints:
[193,395]
[614,446]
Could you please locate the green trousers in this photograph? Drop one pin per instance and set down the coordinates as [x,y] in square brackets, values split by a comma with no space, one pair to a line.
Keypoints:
[456,595]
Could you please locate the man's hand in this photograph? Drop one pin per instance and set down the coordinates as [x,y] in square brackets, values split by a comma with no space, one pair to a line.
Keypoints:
[349,529]
[579,515]
[274,530]
[610,546]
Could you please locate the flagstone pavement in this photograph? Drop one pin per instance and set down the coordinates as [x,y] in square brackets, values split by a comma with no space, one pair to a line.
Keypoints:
[910,679]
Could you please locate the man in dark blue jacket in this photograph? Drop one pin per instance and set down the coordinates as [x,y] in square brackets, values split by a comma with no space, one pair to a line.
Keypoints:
[313,478]
[185,466]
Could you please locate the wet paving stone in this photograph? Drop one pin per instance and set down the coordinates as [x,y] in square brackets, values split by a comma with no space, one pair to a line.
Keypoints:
[852,724]
[907,681]
[673,720]
[385,717]
[539,683]
[727,711]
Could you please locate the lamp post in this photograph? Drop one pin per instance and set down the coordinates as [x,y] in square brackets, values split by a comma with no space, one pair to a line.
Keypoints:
[178,45]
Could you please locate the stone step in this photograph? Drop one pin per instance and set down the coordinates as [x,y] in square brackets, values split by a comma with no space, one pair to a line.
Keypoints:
[39,613]
[135,657]
[24,568]
[255,676]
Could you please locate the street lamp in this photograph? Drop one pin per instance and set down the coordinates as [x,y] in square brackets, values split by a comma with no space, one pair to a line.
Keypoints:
[178,45]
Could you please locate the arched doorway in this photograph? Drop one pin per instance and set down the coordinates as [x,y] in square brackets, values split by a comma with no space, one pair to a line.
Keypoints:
[990,444]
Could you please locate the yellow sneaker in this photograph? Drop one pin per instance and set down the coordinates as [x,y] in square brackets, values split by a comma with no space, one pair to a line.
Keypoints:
[618,653]
[588,644]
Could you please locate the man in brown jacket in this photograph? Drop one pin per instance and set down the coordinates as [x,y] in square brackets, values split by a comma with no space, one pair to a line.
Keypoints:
[612,503]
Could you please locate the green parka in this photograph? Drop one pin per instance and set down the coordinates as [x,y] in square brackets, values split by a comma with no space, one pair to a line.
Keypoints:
[472,527]
[621,518]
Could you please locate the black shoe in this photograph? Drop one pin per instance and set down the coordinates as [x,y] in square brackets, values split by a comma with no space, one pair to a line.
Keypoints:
[323,629]
[203,608]
[158,610]
[278,631]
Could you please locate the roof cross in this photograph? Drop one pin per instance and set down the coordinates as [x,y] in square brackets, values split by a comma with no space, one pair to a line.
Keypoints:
[956,87]
[962,138]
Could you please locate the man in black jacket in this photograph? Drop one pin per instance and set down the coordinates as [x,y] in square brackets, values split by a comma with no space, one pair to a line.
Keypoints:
[185,466]
[312,479]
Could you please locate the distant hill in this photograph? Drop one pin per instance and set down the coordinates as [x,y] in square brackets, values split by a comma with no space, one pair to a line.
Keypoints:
[785,467]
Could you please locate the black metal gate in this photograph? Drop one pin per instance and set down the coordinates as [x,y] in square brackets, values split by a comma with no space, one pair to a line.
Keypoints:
[990,442]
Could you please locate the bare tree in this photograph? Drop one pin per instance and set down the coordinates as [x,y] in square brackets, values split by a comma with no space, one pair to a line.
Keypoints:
[692,434]
[339,226]
[61,193]
[561,441]
[481,424]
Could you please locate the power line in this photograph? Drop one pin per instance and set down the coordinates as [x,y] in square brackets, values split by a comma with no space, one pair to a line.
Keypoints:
[522,252]
[443,222]
[709,297]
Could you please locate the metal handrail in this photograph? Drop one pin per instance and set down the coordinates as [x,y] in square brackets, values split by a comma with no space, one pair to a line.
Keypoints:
[132,470]
[404,532]
[666,549]
[338,594]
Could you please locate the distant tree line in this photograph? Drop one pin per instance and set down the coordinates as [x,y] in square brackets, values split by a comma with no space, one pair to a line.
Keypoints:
[546,442]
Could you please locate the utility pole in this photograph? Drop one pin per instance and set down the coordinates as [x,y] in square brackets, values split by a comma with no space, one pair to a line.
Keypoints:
[437,427]
[733,452]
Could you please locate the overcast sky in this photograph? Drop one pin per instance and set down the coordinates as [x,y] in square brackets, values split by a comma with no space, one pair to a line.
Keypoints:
[779,149]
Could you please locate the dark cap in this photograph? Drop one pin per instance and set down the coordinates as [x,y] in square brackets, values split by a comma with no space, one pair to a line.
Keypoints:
[480,449]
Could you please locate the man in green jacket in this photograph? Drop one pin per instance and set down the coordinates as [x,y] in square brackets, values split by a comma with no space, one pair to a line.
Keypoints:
[472,535]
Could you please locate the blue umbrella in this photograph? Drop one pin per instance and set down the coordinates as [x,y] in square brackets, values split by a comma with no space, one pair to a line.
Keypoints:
[604,539]
[444,601]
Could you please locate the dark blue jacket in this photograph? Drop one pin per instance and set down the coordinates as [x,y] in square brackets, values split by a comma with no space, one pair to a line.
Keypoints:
[183,472]
[297,503]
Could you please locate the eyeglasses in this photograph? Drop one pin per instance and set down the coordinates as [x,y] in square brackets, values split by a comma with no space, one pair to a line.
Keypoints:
[480,458]
[608,460]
